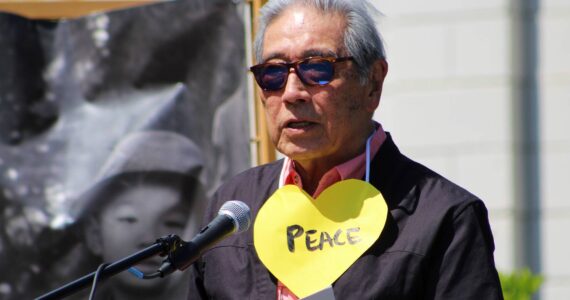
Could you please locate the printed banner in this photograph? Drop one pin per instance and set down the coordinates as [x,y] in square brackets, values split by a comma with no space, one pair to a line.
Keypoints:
[114,129]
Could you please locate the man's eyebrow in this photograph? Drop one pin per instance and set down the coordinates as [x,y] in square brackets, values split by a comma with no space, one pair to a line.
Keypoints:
[307,53]
[322,53]
[276,55]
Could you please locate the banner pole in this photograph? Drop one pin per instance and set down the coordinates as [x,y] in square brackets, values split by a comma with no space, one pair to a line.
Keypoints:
[265,149]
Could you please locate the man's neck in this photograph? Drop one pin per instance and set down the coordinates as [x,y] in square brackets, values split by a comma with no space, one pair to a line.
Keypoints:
[310,176]
[312,170]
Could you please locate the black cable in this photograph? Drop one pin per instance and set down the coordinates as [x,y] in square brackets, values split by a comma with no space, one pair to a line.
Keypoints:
[96,280]
[152,275]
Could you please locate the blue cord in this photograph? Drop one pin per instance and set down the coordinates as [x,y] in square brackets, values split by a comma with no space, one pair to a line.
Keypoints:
[140,275]
[368,156]
[136,272]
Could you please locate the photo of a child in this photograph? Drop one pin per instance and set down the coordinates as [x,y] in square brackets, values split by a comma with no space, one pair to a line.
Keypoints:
[148,188]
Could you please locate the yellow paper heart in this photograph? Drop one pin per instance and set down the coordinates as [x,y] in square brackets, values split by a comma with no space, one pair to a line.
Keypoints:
[307,244]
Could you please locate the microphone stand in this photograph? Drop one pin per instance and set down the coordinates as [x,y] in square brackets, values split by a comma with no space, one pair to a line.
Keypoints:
[163,246]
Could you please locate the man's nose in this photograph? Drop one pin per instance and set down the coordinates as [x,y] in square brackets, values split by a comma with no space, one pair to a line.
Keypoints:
[295,90]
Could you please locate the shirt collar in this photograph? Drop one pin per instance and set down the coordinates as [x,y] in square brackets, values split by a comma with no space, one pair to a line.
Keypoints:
[352,169]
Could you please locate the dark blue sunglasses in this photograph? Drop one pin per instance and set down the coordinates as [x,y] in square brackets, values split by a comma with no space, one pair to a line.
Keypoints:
[311,71]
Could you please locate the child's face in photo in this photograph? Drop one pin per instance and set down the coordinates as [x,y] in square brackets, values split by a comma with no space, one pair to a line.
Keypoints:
[136,218]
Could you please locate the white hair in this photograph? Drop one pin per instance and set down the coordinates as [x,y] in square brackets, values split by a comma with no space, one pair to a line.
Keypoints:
[361,38]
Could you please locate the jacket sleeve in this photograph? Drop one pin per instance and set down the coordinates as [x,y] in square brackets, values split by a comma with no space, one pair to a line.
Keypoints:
[196,288]
[463,266]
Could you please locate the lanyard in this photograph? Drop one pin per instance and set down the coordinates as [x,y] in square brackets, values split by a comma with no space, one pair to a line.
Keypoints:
[367,177]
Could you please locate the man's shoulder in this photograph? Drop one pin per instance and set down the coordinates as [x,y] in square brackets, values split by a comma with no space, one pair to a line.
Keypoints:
[258,174]
[437,190]
[400,175]
[252,183]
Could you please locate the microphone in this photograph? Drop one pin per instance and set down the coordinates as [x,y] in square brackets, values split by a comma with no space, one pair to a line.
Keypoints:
[233,217]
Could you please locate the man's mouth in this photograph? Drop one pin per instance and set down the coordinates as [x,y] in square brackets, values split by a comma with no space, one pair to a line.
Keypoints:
[299,125]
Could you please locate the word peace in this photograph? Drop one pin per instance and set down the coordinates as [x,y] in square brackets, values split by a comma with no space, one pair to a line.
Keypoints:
[296,231]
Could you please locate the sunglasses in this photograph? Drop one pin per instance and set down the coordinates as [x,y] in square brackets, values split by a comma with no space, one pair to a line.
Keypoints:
[312,71]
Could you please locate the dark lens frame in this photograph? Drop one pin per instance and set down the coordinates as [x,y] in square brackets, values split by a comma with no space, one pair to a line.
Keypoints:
[259,71]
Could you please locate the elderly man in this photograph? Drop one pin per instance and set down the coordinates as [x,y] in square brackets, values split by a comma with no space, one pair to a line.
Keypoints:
[320,72]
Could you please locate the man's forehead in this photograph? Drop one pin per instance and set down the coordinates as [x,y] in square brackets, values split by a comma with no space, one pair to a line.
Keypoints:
[302,31]
[298,17]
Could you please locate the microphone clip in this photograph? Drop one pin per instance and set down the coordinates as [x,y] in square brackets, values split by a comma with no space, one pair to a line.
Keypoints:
[180,256]
[168,245]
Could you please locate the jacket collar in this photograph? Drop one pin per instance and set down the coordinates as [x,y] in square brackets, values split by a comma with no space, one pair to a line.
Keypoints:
[392,176]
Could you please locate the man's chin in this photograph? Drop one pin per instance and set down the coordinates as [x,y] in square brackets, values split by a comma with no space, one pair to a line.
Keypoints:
[299,156]
[301,150]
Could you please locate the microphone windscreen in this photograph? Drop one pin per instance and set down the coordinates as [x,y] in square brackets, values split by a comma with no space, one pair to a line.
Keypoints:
[238,212]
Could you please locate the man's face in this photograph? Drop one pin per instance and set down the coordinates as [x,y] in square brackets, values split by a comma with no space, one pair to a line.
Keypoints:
[313,124]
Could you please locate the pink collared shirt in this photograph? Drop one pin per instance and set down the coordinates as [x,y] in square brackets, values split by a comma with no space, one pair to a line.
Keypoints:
[352,169]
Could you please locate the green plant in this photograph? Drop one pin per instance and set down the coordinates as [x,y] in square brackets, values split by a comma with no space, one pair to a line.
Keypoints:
[520,285]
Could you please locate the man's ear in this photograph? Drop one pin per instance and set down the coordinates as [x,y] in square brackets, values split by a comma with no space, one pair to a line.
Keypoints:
[375,83]
[93,239]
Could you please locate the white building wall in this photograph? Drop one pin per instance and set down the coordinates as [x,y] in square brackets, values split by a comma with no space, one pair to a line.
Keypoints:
[448,103]
[447,97]
[555,144]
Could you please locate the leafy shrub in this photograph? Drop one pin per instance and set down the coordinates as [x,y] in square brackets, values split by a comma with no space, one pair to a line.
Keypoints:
[520,285]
